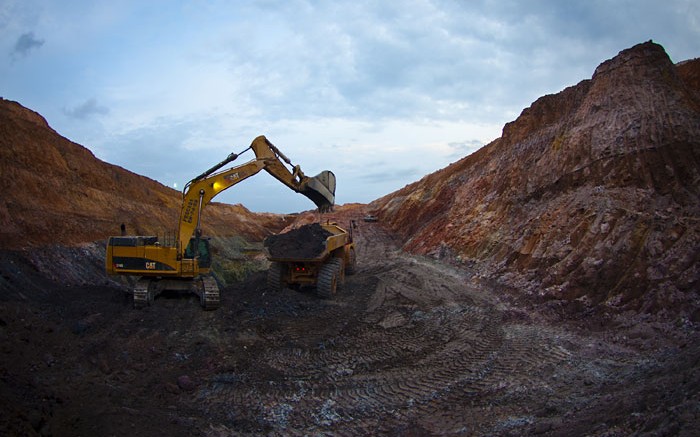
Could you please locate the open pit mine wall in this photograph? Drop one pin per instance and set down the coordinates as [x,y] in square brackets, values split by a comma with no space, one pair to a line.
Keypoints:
[60,203]
[57,192]
[590,196]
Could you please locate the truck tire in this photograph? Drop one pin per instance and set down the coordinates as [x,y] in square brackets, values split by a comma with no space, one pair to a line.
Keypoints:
[274,277]
[329,278]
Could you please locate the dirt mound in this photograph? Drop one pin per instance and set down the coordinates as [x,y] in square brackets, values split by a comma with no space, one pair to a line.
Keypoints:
[305,242]
[589,197]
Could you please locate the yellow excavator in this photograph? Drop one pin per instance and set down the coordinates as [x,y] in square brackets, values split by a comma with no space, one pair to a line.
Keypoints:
[184,264]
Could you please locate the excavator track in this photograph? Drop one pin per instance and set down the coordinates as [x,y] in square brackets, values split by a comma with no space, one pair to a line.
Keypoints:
[209,296]
[142,294]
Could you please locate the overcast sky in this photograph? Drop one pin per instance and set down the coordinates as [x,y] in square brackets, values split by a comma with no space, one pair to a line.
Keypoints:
[380,92]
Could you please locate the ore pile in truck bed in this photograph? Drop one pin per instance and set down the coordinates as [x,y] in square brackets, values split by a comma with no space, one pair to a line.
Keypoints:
[305,242]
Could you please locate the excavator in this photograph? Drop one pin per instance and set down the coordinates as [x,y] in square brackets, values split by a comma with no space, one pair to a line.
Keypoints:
[184,263]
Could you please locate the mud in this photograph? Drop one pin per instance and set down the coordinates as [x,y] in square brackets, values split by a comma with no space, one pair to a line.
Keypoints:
[305,242]
[409,347]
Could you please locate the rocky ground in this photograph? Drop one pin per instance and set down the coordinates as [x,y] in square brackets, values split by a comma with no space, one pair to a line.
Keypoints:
[410,347]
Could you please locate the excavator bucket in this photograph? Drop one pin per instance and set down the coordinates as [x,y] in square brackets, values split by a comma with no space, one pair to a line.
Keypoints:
[321,190]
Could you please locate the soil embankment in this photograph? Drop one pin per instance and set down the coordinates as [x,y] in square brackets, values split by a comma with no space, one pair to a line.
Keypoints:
[589,197]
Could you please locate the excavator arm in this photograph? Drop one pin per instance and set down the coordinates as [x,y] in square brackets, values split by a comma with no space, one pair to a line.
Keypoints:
[202,189]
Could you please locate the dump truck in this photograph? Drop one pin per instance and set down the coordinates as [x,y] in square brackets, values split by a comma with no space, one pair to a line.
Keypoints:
[183,263]
[317,255]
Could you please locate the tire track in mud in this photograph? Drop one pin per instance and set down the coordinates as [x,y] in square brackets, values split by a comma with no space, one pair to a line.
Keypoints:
[408,341]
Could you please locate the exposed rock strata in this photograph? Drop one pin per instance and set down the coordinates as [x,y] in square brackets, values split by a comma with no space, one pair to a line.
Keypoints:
[57,192]
[590,195]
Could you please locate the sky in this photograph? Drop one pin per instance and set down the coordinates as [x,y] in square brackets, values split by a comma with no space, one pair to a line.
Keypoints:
[381,93]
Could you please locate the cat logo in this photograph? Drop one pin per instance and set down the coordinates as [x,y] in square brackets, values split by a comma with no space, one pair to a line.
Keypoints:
[150,265]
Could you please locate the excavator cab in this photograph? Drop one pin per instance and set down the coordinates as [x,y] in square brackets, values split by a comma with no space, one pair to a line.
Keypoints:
[202,253]
[321,190]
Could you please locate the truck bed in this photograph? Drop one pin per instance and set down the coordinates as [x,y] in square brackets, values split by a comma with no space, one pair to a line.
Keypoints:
[308,243]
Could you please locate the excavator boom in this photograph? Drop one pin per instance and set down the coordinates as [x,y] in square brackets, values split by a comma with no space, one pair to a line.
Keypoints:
[199,191]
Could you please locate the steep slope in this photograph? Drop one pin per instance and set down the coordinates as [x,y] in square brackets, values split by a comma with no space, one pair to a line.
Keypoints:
[58,192]
[591,195]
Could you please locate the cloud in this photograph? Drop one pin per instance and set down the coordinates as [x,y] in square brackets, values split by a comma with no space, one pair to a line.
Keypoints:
[87,109]
[463,148]
[400,174]
[25,44]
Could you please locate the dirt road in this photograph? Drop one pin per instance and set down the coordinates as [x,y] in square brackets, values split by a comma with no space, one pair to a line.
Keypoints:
[409,347]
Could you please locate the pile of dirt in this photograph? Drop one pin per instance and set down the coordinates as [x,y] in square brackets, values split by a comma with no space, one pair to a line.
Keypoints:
[305,242]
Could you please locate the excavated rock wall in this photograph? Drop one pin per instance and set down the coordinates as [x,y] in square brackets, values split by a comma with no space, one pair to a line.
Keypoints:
[58,192]
[591,195]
